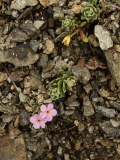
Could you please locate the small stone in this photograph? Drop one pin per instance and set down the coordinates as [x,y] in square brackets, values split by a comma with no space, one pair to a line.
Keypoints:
[118,148]
[3,77]
[18,5]
[34,45]
[43,61]
[88,108]
[115,105]
[103,93]
[59,151]
[109,113]
[46,3]
[50,155]
[115,123]
[40,98]
[82,74]
[5,100]
[81,127]
[109,129]
[91,129]
[78,145]
[18,36]
[38,24]
[49,47]
[66,157]
[104,37]
[58,15]
[14,148]
[22,97]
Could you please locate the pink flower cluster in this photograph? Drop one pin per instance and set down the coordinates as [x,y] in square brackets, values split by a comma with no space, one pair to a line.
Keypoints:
[46,115]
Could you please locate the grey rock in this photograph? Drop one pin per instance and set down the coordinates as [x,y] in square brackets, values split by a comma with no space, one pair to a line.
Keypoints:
[59,151]
[3,77]
[12,149]
[22,97]
[87,106]
[38,24]
[109,129]
[34,45]
[58,15]
[104,37]
[66,157]
[21,55]
[24,118]
[82,74]
[29,28]
[18,36]
[109,113]
[113,60]
[18,5]
[43,60]
[115,123]
[115,105]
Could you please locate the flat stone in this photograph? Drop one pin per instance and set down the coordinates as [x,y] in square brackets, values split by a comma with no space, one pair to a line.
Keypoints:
[3,77]
[21,55]
[115,105]
[18,36]
[46,3]
[12,149]
[29,28]
[109,129]
[104,37]
[105,112]
[18,5]
[82,74]
[88,108]
[113,60]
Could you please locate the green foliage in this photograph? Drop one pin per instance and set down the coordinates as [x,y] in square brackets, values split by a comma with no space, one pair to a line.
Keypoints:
[119,2]
[89,12]
[68,24]
[58,87]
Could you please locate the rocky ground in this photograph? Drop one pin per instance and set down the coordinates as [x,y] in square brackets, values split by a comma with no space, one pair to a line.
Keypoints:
[87,126]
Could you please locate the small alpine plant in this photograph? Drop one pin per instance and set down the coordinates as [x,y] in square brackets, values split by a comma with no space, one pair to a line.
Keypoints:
[46,115]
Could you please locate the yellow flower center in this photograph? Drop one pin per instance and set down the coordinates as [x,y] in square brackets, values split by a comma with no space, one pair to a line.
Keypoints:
[47,111]
[38,120]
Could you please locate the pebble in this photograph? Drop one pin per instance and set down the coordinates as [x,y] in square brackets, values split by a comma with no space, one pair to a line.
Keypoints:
[87,106]
[82,74]
[38,24]
[109,113]
[34,45]
[59,151]
[3,77]
[18,36]
[18,5]
[109,129]
[66,157]
[104,37]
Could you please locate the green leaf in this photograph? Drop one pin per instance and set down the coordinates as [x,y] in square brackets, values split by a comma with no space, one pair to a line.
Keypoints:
[94,2]
[83,24]
[85,39]
[119,2]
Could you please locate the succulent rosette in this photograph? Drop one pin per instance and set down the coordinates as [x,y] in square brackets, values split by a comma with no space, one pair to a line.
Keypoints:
[89,12]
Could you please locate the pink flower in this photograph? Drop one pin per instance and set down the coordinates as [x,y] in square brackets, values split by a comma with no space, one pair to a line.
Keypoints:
[38,121]
[48,112]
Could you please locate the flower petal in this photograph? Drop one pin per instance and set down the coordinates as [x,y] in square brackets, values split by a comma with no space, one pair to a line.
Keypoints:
[53,112]
[43,108]
[36,125]
[42,115]
[50,106]
[42,125]
[33,118]
[49,117]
